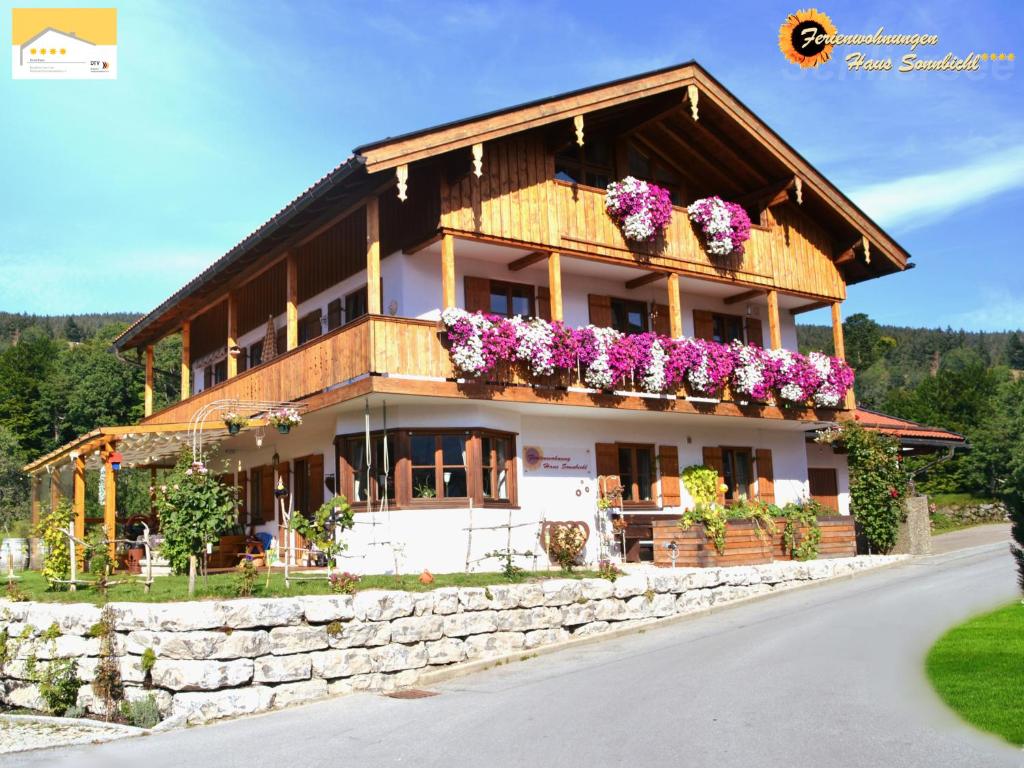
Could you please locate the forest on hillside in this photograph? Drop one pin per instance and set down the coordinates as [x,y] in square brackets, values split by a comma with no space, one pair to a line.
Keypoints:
[59,378]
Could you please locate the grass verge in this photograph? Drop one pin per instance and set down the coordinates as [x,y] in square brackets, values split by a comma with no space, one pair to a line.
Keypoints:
[225,585]
[976,668]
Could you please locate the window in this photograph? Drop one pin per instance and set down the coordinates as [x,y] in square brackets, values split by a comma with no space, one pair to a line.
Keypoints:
[727,328]
[438,464]
[215,374]
[637,473]
[309,327]
[334,315]
[426,467]
[511,299]
[496,466]
[737,471]
[365,486]
[255,356]
[629,316]
[282,339]
[590,164]
[355,305]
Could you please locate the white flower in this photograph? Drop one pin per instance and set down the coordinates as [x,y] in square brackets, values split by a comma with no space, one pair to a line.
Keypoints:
[533,345]
[654,376]
[749,371]
[599,372]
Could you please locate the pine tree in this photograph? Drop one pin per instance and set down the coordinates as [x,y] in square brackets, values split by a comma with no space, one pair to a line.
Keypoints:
[1015,351]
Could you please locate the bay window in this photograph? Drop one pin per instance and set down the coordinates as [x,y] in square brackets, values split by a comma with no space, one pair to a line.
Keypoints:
[429,468]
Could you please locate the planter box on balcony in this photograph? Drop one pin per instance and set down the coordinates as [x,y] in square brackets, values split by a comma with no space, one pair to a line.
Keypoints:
[744,545]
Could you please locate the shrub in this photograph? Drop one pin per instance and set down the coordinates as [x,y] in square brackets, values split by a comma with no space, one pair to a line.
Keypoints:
[343,582]
[713,517]
[606,569]
[142,713]
[195,509]
[245,582]
[701,483]
[324,528]
[802,547]
[565,543]
[53,529]
[58,685]
[878,482]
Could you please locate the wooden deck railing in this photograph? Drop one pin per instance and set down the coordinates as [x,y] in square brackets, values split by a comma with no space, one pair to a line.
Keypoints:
[372,345]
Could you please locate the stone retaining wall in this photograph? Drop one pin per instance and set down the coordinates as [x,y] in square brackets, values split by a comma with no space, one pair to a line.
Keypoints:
[978,512]
[225,658]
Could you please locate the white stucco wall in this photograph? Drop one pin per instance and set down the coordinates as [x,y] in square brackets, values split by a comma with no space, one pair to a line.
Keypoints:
[437,538]
[824,456]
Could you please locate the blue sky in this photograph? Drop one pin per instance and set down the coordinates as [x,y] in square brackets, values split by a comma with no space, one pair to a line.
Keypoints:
[115,194]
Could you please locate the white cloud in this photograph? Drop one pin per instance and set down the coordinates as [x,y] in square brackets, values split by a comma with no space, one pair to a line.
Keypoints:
[1000,311]
[914,200]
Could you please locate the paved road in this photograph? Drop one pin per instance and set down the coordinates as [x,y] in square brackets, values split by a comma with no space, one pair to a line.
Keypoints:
[825,676]
[990,533]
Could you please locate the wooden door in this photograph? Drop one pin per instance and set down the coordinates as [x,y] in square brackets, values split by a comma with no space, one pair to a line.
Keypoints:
[824,487]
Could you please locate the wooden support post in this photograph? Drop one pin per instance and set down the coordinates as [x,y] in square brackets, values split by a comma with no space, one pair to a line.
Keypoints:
[186,360]
[152,495]
[36,502]
[78,497]
[448,271]
[774,327]
[373,302]
[110,501]
[232,334]
[839,342]
[675,309]
[555,285]
[292,307]
[147,408]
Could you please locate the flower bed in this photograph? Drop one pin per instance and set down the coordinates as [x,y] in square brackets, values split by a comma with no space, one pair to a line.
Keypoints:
[605,359]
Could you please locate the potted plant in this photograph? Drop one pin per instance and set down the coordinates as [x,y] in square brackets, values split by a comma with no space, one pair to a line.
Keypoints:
[234,422]
[284,419]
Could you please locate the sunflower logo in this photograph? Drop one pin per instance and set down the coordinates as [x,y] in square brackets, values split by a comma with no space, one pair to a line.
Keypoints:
[800,38]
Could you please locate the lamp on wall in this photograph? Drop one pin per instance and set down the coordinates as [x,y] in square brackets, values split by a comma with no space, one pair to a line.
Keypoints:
[234,350]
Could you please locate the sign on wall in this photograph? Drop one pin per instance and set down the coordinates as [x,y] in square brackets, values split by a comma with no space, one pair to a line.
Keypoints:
[538,459]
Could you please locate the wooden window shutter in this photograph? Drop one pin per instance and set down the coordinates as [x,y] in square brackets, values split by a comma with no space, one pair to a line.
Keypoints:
[478,294]
[600,310]
[713,459]
[668,469]
[266,491]
[607,457]
[660,320]
[543,303]
[755,335]
[765,476]
[315,485]
[703,324]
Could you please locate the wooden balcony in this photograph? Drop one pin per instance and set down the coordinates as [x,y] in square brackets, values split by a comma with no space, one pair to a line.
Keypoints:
[407,356]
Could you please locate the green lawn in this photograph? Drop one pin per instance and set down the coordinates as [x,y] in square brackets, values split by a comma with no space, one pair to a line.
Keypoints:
[978,670]
[943,523]
[949,499]
[222,585]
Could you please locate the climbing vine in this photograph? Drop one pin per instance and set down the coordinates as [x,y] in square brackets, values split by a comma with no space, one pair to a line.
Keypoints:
[53,530]
[801,544]
[878,482]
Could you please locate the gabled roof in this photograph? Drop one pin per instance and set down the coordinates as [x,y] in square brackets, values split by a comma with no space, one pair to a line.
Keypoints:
[905,429]
[370,164]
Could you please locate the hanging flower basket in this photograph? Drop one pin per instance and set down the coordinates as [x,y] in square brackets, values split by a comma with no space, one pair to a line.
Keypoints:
[641,209]
[726,226]
[284,419]
[234,422]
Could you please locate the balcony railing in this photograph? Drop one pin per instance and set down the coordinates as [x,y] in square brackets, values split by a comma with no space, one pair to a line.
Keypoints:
[400,348]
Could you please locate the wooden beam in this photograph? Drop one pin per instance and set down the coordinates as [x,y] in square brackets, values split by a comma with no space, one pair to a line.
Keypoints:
[555,285]
[774,327]
[650,277]
[147,398]
[36,501]
[768,195]
[675,309]
[736,298]
[292,298]
[110,500]
[528,260]
[373,255]
[447,271]
[78,497]
[809,307]
[186,360]
[837,330]
[54,488]
[232,360]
